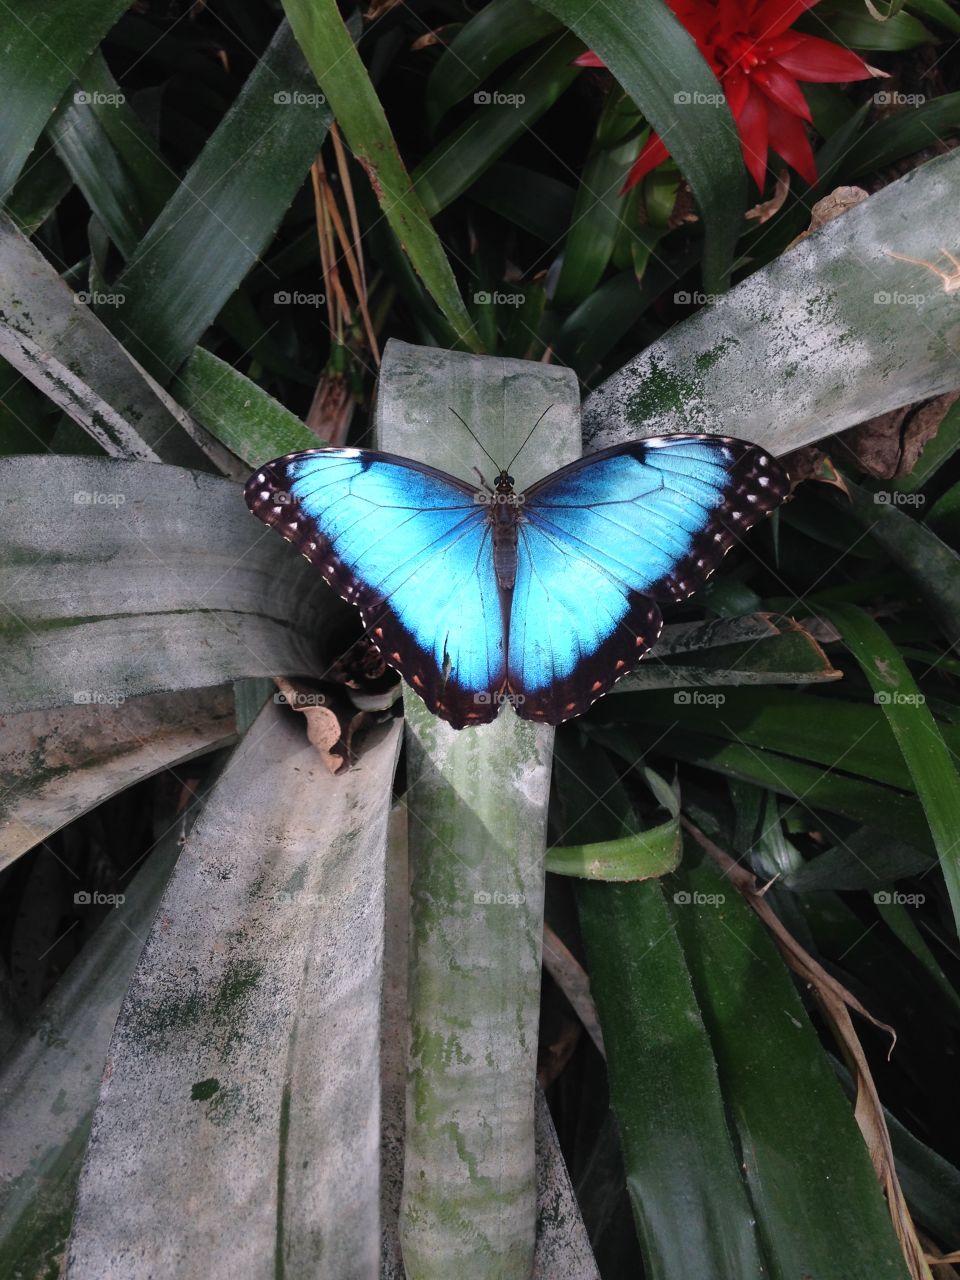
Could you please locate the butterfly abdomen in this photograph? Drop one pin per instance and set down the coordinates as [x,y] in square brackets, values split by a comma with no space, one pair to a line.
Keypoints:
[504,516]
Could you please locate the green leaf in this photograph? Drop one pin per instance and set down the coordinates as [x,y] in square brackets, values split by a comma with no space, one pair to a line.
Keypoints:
[39,190]
[928,759]
[819,790]
[237,412]
[830,731]
[499,30]
[864,860]
[42,48]
[223,214]
[639,856]
[849,24]
[533,201]
[897,919]
[462,156]
[938,11]
[689,1200]
[655,60]
[597,216]
[820,1210]
[330,50]
[112,159]
[932,565]
[907,132]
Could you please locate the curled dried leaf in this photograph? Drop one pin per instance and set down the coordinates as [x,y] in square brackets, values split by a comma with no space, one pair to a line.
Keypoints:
[830,207]
[765,210]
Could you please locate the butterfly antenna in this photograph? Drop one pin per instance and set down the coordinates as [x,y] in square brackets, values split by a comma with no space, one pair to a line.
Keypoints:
[529,434]
[479,442]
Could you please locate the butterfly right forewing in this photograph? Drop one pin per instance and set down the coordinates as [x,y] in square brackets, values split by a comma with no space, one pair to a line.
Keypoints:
[607,536]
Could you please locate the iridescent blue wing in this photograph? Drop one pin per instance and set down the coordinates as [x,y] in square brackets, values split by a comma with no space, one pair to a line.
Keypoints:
[411,548]
[605,538]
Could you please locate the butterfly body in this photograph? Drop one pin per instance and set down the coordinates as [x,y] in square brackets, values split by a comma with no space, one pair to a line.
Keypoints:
[544,598]
[504,517]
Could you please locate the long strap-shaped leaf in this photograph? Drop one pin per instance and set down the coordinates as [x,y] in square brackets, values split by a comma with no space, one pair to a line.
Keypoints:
[478,804]
[60,764]
[248,1044]
[929,760]
[330,50]
[51,337]
[44,47]
[48,1082]
[119,578]
[563,1248]
[223,214]
[659,65]
[834,331]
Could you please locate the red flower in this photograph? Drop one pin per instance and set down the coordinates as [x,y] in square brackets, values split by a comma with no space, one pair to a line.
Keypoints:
[759,63]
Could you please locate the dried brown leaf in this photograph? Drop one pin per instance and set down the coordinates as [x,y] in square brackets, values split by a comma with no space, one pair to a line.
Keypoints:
[834,204]
[890,445]
[765,210]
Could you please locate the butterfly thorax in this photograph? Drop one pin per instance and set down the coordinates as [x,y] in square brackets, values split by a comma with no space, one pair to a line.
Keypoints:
[504,516]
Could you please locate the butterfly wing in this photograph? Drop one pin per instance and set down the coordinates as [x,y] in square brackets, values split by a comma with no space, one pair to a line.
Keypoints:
[606,537]
[411,548]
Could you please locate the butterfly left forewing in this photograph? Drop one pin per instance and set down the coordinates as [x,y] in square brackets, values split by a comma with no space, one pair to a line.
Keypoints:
[410,548]
[607,536]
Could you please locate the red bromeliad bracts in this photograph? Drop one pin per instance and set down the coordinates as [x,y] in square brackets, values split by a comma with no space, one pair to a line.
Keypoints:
[759,62]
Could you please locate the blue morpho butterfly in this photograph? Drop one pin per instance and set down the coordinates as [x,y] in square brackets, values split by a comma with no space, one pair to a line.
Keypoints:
[543,599]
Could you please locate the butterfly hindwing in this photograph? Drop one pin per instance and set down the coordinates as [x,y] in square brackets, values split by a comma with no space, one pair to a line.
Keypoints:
[410,547]
[603,539]
[575,629]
